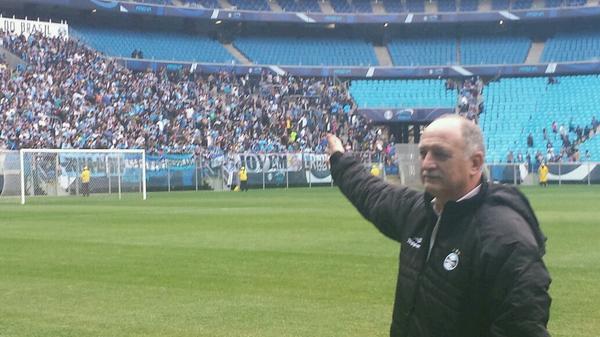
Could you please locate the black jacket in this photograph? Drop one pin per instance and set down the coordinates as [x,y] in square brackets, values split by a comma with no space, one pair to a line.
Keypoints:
[484,275]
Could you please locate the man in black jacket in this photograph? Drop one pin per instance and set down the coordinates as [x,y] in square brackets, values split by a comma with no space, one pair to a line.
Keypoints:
[471,253]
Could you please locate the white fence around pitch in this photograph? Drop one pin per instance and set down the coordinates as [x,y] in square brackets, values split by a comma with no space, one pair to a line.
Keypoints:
[48,174]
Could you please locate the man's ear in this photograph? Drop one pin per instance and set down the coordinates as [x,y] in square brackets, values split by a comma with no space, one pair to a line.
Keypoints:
[476,162]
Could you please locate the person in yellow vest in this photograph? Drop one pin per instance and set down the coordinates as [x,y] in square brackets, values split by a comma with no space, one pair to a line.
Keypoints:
[375,170]
[85,181]
[543,172]
[243,179]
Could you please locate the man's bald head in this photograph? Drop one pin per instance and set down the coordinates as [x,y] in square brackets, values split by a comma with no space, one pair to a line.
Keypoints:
[468,131]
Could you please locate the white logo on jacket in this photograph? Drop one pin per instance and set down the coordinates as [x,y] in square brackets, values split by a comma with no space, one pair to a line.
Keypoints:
[451,261]
[414,242]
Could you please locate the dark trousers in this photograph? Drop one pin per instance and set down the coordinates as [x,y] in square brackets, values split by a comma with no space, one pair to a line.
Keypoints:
[244,185]
[85,189]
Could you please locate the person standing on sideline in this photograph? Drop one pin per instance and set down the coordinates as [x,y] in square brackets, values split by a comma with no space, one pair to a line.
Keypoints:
[85,181]
[543,173]
[243,174]
[470,261]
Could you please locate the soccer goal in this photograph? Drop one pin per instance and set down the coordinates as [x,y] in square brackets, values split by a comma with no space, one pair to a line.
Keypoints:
[60,172]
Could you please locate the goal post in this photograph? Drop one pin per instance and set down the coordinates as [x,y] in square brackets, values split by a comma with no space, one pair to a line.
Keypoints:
[58,172]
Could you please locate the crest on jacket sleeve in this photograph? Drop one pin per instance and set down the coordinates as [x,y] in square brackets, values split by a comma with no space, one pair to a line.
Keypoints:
[451,261]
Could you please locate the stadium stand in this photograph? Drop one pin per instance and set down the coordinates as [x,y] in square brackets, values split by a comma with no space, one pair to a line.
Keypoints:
[300,6]
[446,5]
[575,3]
[362,6]
[393,6]
[469,5]
[307,51]
[487,49]
[341,6]
[500,4]
[422,51]
[81,100]
[517,107]
[252,5]
[415,6]
[155,45]
[578,46]
[402,94]
[553,3]
[521,4]
[202,3]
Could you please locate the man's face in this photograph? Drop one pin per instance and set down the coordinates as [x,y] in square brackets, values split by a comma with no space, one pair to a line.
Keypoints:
[444,166]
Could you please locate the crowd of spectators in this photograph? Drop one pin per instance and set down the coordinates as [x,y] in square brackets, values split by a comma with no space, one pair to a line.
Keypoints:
[568,138]
[70,96]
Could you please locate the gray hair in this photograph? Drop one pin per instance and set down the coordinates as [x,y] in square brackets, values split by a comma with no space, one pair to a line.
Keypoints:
[471,134]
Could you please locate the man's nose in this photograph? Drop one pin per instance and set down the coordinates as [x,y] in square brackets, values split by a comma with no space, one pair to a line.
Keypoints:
[427,162]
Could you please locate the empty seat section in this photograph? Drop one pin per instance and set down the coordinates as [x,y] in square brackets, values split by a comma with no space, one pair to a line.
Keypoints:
[423,51]
[578,46]
[516,107]
[154,45]
[307,51]
[393,6]
[402,94]
[489,49]
[300,6]
[251,5]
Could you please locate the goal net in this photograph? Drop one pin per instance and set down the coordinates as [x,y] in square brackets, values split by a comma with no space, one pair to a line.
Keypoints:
[59,172]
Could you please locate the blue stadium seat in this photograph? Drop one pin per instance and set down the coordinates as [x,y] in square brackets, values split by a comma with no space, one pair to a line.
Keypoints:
[487,49]
[307,51]
[521,4]
[469,5]
[553,3]
[423,51]
[578,46]
[516,107]
[202,3]
[311,6]
[252,5]
[415,6]
[402,94]
[500,4]
[446,5]
[155,45]
[393,6]
[341,6]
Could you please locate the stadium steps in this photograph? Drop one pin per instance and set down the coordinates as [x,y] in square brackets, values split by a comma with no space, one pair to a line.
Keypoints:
[383,56]
[431,7]
[275,7]
[535,52]
[458,50]
[326,7]
[241,58]
[378,8]
[12,60]
[225,4]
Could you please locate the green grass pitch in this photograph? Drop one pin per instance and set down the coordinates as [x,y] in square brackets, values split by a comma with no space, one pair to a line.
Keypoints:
[298,262]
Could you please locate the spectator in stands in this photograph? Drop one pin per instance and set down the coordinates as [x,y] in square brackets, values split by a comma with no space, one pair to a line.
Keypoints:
[530,140]
[458,220]
[510,157]
[78,99]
